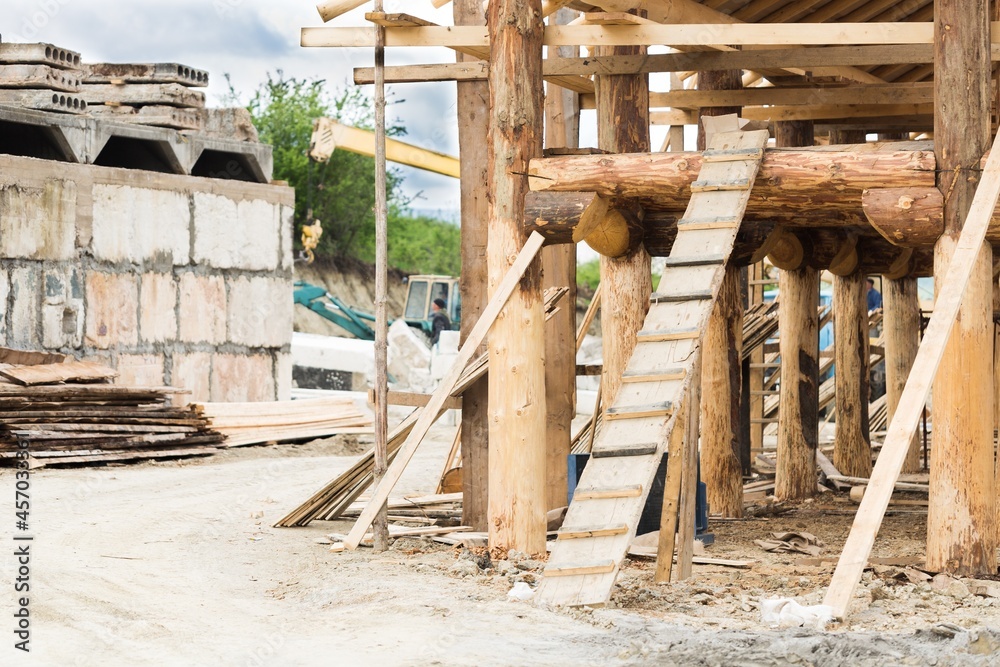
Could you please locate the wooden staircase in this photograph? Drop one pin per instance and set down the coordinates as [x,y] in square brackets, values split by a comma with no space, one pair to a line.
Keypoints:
[602,519]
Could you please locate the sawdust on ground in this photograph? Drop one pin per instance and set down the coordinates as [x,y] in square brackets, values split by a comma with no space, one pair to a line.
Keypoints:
[176,563]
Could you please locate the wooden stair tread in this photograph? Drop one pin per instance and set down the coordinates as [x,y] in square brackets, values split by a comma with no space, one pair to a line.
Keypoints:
[659,297]
[705,260]
[721,186]
[661,335]
[605,451]
[607,493]
[584,532]
[570,569]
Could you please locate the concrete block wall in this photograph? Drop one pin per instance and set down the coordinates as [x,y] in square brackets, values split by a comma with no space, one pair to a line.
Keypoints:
[171,279]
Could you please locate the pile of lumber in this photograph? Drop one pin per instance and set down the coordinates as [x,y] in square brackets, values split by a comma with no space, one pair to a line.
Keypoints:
[160,94]
[42,77]
[285,421]
[60,410]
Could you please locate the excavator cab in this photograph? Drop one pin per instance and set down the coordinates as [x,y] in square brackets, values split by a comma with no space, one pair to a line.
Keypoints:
[421,294]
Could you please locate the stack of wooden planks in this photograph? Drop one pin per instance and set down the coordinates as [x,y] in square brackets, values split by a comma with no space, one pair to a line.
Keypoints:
[86,423]
[42,77]
[160,94]
[284,421]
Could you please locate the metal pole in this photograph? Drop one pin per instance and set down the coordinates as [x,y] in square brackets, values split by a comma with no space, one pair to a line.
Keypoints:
[380,526]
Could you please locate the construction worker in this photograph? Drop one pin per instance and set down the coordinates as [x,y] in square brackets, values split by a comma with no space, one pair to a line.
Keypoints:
[873,297]
[439,320]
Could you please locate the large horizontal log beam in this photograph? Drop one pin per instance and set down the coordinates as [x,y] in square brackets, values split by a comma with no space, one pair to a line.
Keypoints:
[913,217]
[824,182]
[612,227]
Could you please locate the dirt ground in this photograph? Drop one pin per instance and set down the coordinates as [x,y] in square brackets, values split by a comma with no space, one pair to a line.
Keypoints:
[176,563]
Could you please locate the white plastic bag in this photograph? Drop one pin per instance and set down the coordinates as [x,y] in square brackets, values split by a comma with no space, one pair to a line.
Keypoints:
[520,593]
[786,613]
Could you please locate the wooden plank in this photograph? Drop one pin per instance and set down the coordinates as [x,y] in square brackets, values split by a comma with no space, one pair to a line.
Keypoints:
[605,493]
[80,371]
[911,403]
[600,567]
[671,503]
[661,409]
[415,400]
[638,449]
[886,93]
[465,354]
[580,532]
[657,336]
[742,34]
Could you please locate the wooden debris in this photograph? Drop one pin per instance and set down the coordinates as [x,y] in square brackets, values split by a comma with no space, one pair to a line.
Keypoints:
[71,371]
[284,421]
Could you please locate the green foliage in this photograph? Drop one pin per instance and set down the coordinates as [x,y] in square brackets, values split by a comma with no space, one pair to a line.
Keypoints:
[419,244]
[339,192]
[588,275]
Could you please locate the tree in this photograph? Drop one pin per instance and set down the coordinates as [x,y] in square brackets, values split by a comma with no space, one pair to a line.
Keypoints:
[339,192]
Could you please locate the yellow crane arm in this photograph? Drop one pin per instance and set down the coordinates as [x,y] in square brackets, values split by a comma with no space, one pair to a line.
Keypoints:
[329,135]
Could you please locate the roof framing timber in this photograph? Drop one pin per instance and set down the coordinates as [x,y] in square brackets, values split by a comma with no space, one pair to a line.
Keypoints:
[740,34]
[805,58]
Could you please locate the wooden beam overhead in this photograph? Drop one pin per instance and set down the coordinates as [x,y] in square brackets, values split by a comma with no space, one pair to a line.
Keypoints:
[700,35]
[886,93]
[804,58]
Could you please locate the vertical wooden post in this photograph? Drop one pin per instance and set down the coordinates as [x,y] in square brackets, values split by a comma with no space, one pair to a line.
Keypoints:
[517,344]
[721,385]
[852,452]
[798,315]
[961,518]
[721,365]
[689,475]
[473,121]
[562,129]
[380,526]
[622,127]
[755,383]
[901,329]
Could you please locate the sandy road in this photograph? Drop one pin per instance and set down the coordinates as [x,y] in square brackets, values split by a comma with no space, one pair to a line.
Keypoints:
[177,564]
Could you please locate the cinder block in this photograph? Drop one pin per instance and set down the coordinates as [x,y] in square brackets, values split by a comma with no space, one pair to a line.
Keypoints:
[140,225]
[62,308]
[112,310]
[237,378]
[192,372]
[140,370]
[236,235]
[157,308]
[283,375]
[287,214]
[260,311]
[38,223]
[4,298]
[25,316]
[202,309]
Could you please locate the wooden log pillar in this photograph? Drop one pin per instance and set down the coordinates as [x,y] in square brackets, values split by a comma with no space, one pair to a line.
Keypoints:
[721,385]
[852,438]
[622,127]
[852,453]
[517,345]
[755,383]
[798,316]
[721,364]
[473,122]
[901,330]
[961,518]
[562,129]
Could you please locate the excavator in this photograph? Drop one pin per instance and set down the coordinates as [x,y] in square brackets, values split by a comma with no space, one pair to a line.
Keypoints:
[329,135]
[421,292]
